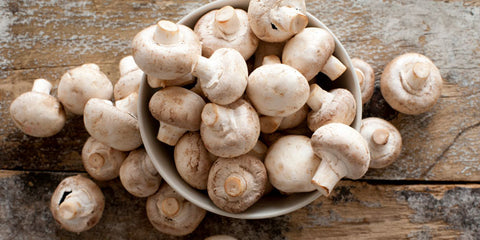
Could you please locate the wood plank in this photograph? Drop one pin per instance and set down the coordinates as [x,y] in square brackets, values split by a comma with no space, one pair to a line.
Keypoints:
[45,38]
[357,210]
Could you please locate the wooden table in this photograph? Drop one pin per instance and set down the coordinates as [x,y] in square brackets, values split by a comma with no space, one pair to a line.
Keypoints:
[432,191]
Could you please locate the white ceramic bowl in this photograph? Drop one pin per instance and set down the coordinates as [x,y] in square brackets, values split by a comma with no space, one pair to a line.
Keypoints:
[162,155]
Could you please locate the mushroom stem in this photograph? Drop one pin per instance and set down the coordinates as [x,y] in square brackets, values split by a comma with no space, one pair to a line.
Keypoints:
[326,177]
[270,124]
[334,68]
[288,19]
[226,20]
[360,78]
[208,72]
[235,185]
[166,33]
[169,206]
[210,114]
[170,134]
[42,86]
[128,104]
[318,97]
[414,79]
[380,136]
[96,160]
[77,203]
[271,59]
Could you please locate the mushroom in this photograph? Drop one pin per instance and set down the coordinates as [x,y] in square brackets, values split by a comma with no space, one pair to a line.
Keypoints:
[235,184]
[344,153]
[384,141]
[128,104]
[160,83]
[166,50]
[265,49]
[111,126]
[130,77]
[411,83]
[101,161]
[138,175]
[192,160]
[229,131]
[277,20]
[80,84]
[226,28]
[276,89]
[298,54]
[170,213]
[259,150]
[270,124]
[291,164]
[178,110]
[338,105]
[77,204]
[37,113]
[366,78]
[223,76]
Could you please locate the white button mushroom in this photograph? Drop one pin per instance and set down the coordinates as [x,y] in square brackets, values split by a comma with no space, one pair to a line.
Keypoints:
[110,125]
[384,141]
[178,110]
[235,184]
[138,175]
[310,52]
[411,83]
[37,113]
[80,84]
[192,160]
[226,28]
[170,213]
[166,50]
[366,78]
[229,131]
[338,105]
[77,204]
[277,20]
[291,164]
[101,161]
[130,77]
[344,153]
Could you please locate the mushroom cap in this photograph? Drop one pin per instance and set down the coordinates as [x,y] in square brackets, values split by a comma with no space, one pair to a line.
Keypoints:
[229,131]
[341,109]
[395,89]
[166,61]
[383,151]
[343,148]
[235,184]
[277,90]
[130,77]
[38,114]
[101,161]
[170,213]
[367,83]
[138,175]
[177,106]
[74,186]
[80,84]
[298,51]
[192,160]
[243,39]
[294,119]
[112,126]
[291,164]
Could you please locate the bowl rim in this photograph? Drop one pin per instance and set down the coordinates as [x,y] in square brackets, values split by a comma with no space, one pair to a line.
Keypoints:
[298,200]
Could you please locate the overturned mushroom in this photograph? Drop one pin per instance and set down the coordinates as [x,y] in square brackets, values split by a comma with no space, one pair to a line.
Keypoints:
[101,161]
[229,131]
[384,141]
[411,83]
[226,28]
[130,77]
[37,113]
[235,184]
[366,78]
[170,213]
[298,54]
[77,204]
[178,110]
[344,153]
[138,175]
[82,83]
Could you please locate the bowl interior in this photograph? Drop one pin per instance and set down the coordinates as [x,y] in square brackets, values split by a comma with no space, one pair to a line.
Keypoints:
[162,155]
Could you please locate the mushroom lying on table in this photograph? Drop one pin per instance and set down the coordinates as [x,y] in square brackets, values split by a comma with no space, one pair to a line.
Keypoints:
[138,175]
[101,161]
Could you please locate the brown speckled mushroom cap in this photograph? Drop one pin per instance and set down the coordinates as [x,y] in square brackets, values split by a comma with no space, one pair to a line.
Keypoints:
[101,161]
[384,141]
[192,160]
[170,213]
[226,28]
[77,204]
[344,153]
[235,184]
[366,78]
[411,83]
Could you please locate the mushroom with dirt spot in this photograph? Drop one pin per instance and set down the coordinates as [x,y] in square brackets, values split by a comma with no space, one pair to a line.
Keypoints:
[101,161]
[366,78]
